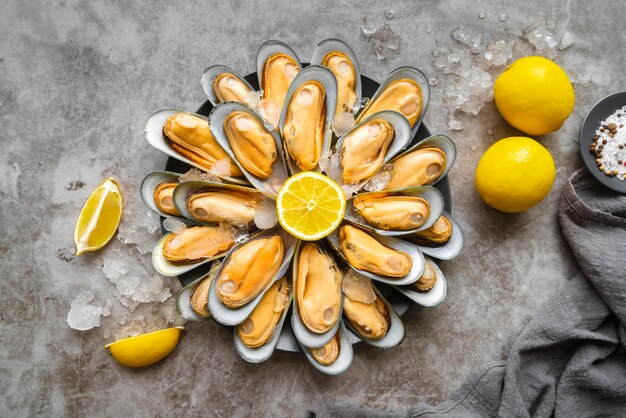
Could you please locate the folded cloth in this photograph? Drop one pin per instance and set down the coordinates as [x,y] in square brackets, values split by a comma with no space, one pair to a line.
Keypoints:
[570,360]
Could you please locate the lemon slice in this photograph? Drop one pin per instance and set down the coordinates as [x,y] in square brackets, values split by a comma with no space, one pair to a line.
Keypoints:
[99,218]
[145,349]
[310,206]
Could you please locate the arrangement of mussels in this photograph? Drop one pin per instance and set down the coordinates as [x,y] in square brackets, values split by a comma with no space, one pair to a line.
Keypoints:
[259,272]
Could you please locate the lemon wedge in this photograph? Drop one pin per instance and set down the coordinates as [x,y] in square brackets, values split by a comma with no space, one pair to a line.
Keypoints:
[99,218]
[145,349]
[310,206]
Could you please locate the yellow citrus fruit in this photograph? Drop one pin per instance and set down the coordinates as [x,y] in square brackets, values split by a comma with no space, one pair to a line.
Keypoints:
[145,349]
[534,95]
[99,218]
[310,205]
[515,174]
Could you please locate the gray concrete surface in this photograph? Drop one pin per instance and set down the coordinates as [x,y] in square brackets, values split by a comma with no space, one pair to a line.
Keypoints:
[77,82]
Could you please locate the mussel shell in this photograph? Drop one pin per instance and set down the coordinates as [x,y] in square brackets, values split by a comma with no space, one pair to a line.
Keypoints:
[169,269]
[268,49]
[186,189]
[304,336]
[209,75]
[402,137]
[344,360]
[327,79]
[153,134]
[450,249]
[183,302]
[150,183]
[279,174]
[440,141]
[264,352]
[395,333]
[416,75]
[397,244]
[334,44]
[431,297]
[227,316]
[432,195]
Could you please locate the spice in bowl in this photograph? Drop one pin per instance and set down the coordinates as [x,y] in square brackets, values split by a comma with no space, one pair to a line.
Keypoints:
[609,145]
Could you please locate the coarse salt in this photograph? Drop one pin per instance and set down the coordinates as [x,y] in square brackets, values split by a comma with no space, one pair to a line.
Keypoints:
[609,145]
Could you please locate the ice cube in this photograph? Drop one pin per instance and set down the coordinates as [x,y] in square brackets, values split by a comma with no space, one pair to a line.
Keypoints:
[265,214]
[174,225]
[82,315]
[383,39]
[221,168]
[252,99]
[192,175]
[342,122]
[379,180]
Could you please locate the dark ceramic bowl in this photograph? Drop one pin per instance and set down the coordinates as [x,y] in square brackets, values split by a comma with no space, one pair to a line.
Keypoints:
[599,112]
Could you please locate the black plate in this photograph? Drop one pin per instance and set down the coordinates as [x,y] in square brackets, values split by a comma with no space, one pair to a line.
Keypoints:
[400,303]
[599,112]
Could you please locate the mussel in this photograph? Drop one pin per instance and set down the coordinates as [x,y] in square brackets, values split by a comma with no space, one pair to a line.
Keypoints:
[363,150]
[278,70]
[304,124]
[197,243]
[428,279]
[417,168]
[163,198]
[222,206]
[366,311]
[248,270]
[252,144]
[392,212]
[438,234]
[199,298]
[328,353]
[364,252]
[258,328]
[191,137]
[229,88]
[403,95]
[317,287]
[343,69]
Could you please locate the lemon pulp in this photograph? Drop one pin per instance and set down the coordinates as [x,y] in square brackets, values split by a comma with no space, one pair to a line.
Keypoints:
[310,205]
[99,218]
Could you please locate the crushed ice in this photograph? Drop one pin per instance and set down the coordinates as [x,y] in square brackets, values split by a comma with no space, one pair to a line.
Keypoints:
[196,175]
[342,122]
[221,168]
[265,214]
[472,63]
[382,38]
[83,315]
[380,180]
[174,225]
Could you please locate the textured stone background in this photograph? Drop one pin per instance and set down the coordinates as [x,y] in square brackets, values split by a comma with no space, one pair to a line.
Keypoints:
[77,82]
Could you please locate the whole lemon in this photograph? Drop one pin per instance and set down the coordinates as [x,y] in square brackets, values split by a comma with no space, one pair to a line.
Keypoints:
[515,174]
[534,95]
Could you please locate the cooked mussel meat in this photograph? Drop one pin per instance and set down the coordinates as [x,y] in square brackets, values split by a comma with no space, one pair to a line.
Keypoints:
[318,288]
[248,270]
[304,124]
[417,168]
[363,150]
[258,328]
[364,252]
[191,137]
[252,144]
[392,213]
[197,243]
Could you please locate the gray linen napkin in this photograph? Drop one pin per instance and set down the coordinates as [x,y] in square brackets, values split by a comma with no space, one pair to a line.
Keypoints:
[570,360]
